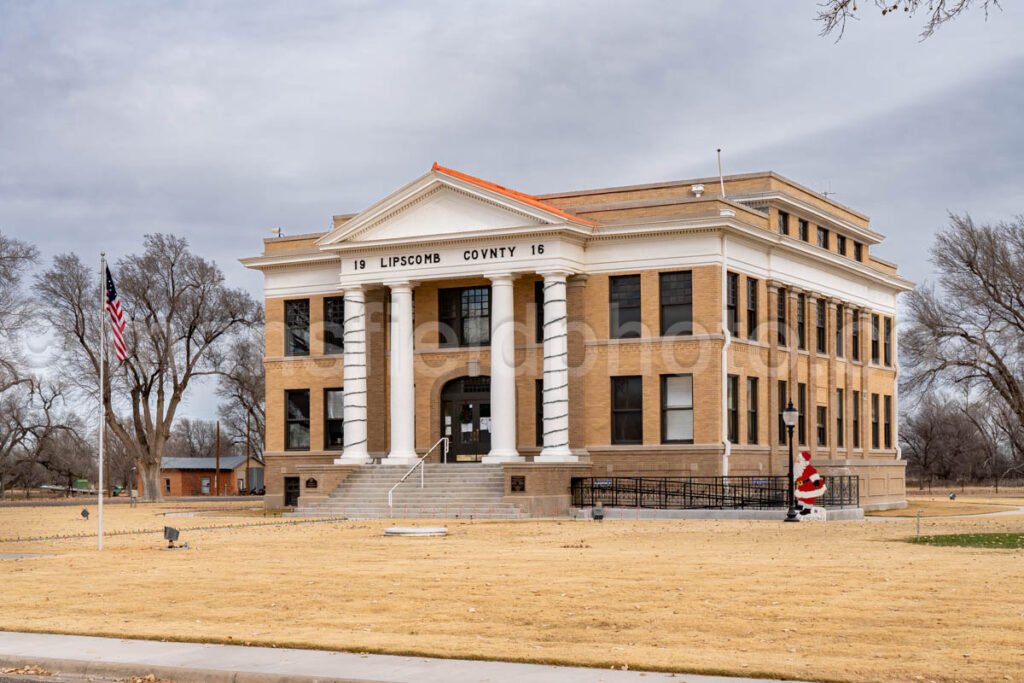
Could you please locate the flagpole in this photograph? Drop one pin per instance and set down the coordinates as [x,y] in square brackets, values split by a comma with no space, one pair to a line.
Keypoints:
[103,412]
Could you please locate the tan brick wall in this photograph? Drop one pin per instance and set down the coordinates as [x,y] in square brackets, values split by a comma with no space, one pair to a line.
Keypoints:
[599,358]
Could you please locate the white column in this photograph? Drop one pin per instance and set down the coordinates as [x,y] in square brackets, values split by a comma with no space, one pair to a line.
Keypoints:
[354,411]
[503,373]
[556,372]
[403,395]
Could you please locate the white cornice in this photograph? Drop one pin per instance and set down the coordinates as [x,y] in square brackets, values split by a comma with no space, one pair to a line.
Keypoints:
[831,220]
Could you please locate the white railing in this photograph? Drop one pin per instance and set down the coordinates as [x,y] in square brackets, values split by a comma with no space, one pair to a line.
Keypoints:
[419,463]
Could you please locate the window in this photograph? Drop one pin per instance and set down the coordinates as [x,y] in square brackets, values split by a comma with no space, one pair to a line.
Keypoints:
[822,425]
[296,428]
[804,230]
[677,408]
[822,325]
[752,410]
[801,325]
[855,336]
[840,329]
[887,425]
[538,311]
[874,339]
[167,485]
[858,251]
[783,402]
[676,295]
[840,422]
[822,237]
[841,245]
[334,324]
[627,410]
[732,402]
[624,306]
[751,308]
[296,323]
[887,341]
[464,316]
[783,223]
[781,316]
[874,421]
[856,419]
[334,419]
[538,410]
[801,406]
[732,304]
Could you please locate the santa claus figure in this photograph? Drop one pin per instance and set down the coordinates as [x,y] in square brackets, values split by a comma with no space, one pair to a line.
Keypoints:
[808,484]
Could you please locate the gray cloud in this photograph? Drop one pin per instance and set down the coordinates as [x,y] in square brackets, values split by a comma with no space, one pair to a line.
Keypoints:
[218,121]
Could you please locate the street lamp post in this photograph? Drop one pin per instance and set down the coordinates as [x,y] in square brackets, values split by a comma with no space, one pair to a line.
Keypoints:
[789,418]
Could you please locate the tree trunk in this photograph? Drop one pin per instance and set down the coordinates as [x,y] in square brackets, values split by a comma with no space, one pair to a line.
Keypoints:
[149,473]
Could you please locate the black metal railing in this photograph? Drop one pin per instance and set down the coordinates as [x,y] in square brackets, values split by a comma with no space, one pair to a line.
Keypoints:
[703,493]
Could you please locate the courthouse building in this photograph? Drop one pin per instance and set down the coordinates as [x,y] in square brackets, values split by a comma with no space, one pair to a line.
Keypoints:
[648,330]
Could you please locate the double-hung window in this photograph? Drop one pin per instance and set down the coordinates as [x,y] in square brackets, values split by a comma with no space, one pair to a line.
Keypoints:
[887,425]
[841,245]
[733,408]
[752,425]
[840,415]
[296,323]
[822,415]
[805,230]
[732,304]
[783,223]
[822,325]
[334,419]
[464,316]
[840,330]
[855,336]
[296,431]
[780,315]
[801,423]
[783,403]
[627,410]
[801,323]
[856,418]
[874,339]
[823,237]
[751,309]
[624,306]
[887,341]
[874,421]
[677,408]
[334,324]
[676,295]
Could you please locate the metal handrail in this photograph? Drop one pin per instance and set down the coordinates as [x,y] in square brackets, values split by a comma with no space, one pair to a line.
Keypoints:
[391,491]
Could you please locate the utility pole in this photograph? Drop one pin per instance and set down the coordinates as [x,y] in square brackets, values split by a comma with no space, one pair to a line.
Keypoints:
[216,468]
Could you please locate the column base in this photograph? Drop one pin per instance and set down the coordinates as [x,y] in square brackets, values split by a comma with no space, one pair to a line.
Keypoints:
[556,455]
[496,457]
[352,459]
[398,458]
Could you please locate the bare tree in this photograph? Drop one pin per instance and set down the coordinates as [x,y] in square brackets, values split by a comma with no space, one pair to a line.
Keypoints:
[191,438]
[939,442]
[241,387]
[834,14]
[179,313]
[967,331]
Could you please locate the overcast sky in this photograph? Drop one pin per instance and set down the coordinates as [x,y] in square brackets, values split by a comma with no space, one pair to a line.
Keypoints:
[218,121]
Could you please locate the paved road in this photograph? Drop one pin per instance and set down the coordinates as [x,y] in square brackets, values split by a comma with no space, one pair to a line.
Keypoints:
[214,663]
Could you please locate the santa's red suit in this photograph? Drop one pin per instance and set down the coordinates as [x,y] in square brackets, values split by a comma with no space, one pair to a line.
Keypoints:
[808,483]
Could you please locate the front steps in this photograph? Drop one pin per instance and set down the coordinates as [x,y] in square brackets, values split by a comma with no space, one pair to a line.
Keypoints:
[469,491]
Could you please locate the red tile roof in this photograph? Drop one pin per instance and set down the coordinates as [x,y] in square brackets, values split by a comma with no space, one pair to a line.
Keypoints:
[512,194]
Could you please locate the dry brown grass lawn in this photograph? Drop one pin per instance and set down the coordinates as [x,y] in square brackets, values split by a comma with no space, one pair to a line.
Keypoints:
[838,601]
[60,520]
[942,506]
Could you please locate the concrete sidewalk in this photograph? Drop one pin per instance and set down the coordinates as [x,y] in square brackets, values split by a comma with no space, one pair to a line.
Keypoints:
[195,663]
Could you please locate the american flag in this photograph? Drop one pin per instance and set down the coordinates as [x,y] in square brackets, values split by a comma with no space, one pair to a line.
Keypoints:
[117,322]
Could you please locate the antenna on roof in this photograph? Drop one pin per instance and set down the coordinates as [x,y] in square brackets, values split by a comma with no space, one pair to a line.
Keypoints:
[826,193]
[721,178]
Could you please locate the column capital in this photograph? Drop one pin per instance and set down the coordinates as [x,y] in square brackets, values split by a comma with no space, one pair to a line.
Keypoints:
[399,285]
[555,274]
[501,276]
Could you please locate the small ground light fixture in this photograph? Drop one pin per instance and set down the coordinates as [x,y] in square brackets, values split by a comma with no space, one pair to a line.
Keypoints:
[170,535]
[85,514]
[598,512]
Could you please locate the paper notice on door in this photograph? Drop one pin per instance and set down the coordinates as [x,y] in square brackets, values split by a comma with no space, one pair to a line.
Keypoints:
[448,430]
[485,424]
[448,420]
[467,427]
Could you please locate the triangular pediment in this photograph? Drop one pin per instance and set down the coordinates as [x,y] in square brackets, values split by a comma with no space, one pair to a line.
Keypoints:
[438,204]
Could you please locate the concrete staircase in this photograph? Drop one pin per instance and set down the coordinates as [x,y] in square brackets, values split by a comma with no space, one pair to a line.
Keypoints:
[470,491]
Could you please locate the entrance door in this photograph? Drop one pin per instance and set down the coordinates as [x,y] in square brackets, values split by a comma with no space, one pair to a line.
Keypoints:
[291,492]
[466,418]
